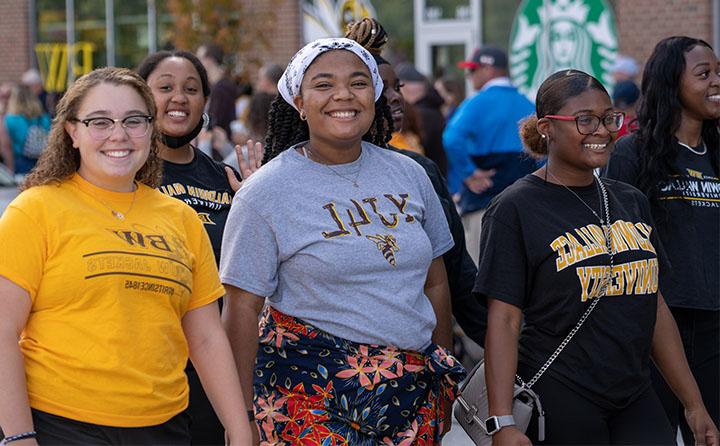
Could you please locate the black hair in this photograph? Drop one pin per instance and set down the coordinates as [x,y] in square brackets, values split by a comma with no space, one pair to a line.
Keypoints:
[285,128]
[553,94]
[660,115]
[257,118]
[151,62]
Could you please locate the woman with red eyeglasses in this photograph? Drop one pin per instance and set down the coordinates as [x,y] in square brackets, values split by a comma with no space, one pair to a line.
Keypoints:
[568,253]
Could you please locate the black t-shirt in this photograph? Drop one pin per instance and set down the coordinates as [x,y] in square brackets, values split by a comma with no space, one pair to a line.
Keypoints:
[687,215]
[542,250]
[201,183]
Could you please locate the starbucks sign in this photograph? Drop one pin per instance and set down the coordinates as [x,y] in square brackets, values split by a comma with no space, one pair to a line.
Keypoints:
[552,35]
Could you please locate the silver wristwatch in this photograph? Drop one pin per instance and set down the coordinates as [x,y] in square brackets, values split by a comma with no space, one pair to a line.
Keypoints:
[495,423]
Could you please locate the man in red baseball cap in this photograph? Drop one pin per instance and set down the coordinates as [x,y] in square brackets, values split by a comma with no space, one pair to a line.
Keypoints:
[487,62]
[481,140]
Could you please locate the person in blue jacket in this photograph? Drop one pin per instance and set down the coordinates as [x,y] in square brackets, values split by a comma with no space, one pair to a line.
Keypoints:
[484,151]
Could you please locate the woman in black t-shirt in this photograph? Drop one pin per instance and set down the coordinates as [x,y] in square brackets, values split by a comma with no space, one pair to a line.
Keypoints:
[674,160]
[180,87]
[545,258]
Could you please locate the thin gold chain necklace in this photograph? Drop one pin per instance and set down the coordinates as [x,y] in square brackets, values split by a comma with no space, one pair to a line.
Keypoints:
[307,149]
[602,222]
[117,214]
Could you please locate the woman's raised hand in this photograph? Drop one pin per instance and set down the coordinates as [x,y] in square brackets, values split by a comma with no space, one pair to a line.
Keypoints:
[249,161]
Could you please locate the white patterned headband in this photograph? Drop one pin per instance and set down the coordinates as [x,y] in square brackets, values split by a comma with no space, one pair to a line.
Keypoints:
[289,83]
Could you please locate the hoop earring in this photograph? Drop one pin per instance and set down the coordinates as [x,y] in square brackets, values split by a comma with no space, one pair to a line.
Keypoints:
[303,116]
[206,120]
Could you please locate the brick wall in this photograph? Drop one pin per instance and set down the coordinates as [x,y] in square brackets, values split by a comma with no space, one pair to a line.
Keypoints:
[281,29]
[14,39]
[642,23]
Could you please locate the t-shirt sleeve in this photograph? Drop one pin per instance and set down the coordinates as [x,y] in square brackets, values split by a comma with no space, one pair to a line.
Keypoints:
[623,163]
[502,269]
[249,258]
[24,249]
[435,223]
[206,281]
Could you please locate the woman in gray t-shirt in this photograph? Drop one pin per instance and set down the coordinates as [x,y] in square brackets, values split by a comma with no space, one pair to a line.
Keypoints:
[345,240]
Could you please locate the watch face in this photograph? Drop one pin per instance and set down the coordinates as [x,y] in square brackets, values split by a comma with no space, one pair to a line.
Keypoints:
[491,424]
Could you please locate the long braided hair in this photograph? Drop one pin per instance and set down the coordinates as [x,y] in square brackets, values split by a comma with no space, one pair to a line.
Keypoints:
[660,114]
[285,128]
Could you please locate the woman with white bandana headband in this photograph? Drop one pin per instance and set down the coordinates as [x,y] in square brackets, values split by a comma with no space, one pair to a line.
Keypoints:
[345,240]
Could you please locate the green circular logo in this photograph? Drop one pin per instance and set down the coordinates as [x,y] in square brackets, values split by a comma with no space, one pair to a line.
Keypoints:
[552,35]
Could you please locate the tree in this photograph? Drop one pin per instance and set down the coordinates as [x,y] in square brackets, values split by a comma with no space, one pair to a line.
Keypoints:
[237,28]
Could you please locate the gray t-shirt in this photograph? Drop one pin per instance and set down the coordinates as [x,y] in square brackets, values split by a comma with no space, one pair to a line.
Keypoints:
[349,260]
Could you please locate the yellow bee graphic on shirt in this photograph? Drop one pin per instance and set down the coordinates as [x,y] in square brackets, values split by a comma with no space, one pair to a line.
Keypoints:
[387,245]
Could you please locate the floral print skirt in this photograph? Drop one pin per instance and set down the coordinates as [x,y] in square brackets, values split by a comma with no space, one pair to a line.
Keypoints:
[312,388]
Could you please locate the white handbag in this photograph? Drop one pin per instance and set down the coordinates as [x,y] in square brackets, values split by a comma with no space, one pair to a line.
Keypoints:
[471,408]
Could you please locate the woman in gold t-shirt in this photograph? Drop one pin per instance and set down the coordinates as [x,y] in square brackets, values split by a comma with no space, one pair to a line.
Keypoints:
[108,285]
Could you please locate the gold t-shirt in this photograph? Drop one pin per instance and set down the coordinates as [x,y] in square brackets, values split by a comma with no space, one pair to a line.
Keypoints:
[104,342]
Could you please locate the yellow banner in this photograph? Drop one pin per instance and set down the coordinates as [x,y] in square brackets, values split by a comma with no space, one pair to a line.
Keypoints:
[53,63]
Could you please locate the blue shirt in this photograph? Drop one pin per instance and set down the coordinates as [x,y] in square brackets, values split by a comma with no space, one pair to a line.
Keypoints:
[18,127]
[487,123]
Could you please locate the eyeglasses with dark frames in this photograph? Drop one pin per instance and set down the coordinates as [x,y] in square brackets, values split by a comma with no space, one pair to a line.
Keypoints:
[588,124]
[100,128]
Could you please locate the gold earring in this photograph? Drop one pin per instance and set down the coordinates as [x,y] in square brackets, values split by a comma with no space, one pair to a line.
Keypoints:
[303,116]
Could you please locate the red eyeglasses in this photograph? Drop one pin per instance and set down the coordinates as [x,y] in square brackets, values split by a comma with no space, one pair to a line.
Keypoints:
[588,124]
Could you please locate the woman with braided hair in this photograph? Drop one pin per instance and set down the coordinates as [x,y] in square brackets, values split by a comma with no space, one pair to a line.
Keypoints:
[345,240]
[461,271]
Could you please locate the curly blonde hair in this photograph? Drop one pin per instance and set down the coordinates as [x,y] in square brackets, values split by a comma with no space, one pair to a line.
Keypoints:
[60,160]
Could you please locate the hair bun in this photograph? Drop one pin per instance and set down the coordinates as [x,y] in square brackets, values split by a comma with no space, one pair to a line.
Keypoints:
[369,33]
[533,141]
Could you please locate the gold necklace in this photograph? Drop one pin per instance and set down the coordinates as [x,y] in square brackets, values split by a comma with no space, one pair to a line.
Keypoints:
[602,222]
[117,214]
[324,162]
